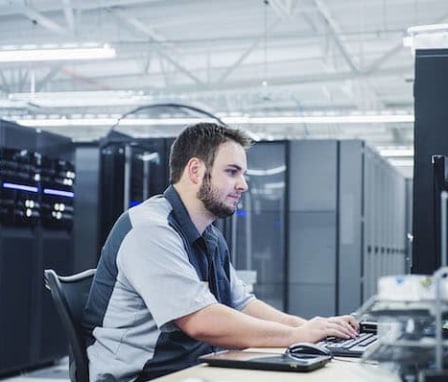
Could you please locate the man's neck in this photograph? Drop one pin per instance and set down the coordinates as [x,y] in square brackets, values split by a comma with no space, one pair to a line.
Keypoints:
[200,217]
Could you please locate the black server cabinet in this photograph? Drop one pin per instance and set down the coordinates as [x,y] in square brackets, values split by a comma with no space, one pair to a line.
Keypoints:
[87,202]
[430,138]
[57,178]
[35,213]
[18,247]
[131,171]
[17,264]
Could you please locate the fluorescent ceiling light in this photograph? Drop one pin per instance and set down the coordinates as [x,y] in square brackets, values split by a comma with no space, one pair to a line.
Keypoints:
[433,36]
[324,119]
[82,98]
[428,28]
[57,122]
[54,122]
[79,52]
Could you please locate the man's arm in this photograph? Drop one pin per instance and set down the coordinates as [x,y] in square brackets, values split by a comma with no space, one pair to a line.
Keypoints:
[222,326]
[259,309]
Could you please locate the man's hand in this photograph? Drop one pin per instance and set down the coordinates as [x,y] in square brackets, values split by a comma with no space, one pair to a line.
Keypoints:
[318,328]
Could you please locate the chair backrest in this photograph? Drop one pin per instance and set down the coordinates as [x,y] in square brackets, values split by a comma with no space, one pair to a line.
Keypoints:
[69,295]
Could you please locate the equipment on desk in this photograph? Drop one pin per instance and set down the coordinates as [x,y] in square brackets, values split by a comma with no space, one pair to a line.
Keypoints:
[352,347]
[304,349]
[438,371]
[411,331]
[265,361]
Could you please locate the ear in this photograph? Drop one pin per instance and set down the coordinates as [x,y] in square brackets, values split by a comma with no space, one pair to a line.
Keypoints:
[195,170]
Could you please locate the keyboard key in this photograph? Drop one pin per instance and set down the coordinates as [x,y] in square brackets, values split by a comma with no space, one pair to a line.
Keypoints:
[353,347]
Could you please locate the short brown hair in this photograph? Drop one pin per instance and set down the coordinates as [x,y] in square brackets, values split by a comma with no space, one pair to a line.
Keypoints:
[202,140]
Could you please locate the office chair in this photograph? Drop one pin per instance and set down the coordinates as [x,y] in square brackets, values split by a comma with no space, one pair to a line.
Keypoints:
[69,294]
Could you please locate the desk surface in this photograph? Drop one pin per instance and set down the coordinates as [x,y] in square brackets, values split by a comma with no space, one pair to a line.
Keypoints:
[345,370]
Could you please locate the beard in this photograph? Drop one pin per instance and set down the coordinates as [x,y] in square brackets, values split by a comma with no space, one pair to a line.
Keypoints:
[208,196]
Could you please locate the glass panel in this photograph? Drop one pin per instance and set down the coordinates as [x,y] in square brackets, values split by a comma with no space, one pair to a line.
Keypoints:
[259,224]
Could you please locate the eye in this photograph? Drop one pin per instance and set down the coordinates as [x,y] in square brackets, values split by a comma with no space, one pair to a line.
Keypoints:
[232,171]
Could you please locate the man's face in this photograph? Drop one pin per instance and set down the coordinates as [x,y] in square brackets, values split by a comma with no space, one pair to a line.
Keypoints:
[223,184]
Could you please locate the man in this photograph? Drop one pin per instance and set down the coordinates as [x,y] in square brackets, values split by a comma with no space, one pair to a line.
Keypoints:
[165,291]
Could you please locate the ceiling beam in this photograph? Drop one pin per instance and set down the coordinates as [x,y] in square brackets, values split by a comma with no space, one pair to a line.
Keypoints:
[249,84]
[335,32]
[22,77]
[41,20]
[288,80]
[48,77]
[283,8]
[141,27]
[156,37]
[375,64]
[396,48]
[363,93]
[68,13]
[82,78]
[248,51]
[5,86]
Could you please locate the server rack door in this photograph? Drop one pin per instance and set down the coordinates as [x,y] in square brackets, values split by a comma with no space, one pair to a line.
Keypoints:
[350,226]
[85,225]
[313,219]
[17,266]
[130,172]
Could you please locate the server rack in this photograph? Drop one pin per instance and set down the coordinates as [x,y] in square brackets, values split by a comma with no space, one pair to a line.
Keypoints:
[87,201]
[312,227]
[347,209]
[131,170]
[322,220]
[30,332]
[55,239]
[323,228]
[430,138]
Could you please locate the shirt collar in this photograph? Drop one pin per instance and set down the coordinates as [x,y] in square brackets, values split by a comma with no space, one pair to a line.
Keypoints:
[181,214]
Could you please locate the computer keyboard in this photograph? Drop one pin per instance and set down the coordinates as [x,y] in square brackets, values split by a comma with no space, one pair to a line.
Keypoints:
[353,347]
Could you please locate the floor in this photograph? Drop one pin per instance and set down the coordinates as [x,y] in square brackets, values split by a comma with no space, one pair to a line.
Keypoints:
[55,373]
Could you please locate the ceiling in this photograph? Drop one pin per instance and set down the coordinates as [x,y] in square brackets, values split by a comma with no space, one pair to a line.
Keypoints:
[253,58]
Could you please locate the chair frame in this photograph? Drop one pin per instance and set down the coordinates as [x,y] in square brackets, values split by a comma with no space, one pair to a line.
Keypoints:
[79,366]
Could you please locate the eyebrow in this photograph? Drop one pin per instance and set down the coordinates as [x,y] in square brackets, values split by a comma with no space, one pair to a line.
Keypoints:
[236,167]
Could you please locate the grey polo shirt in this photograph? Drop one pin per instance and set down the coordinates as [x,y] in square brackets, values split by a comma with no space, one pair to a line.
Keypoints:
[154,268]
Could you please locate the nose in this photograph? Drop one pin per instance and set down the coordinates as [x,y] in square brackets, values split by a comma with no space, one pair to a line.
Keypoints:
[242,185]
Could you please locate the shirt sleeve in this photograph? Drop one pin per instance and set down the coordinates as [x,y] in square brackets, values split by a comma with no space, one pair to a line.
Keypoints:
[240,291]
[154,263]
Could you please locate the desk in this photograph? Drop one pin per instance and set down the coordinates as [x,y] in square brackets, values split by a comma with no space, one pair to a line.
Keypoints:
[348,370]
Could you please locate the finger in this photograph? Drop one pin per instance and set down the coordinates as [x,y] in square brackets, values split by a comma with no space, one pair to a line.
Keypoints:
[343,326]
[331,328]
[351,321]
[334,330]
